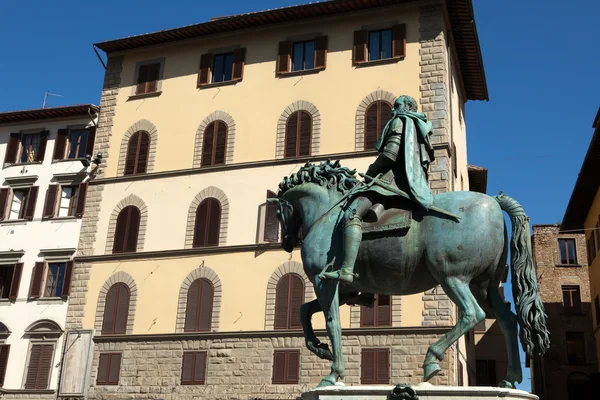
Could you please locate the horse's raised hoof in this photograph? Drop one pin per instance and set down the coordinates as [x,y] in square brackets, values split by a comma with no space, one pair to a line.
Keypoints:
[506,384]
[431,370]
[321,350]
[326,382]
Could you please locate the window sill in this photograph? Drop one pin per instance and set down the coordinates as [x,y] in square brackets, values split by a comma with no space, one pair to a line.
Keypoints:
[302,72]
[144,95]
[6,165]
[27,391]
[51,300]
[14,222]
[378,62]
[569,265]
[216,84]
[61,219]
[6,302]
[69,159]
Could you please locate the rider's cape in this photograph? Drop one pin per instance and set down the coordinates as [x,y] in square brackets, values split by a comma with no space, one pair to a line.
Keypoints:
[417,154]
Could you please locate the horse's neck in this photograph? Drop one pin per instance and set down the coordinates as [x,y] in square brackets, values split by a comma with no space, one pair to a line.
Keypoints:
[314,204]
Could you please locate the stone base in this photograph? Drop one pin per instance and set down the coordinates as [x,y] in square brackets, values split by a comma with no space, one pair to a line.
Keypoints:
[424,391]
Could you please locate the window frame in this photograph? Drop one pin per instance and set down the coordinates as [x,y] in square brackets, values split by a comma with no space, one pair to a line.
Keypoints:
[126,230]
[581,361]
[492,379]
[47,277]
[376,351]
[108,382]
[376,312]
[22,147]
[72,201]
[567,264]
[9,277]
[286,366]
[290,324]
[215,135]
[213,73]
[298,114]
[379,124]
[113,328]
[380,32]
[38,342]
[81,144]
[134,84]
[138,146]
[197,328]
[23,204]
[195,354]
[303,43]
[207,220]
[571,289]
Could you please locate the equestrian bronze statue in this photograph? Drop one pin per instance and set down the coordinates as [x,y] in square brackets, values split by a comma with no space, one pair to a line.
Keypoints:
[390,235]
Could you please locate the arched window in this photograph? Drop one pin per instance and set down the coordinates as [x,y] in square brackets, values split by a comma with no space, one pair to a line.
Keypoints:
[298,132]
[137,153]
[198,311]
[208,223]
[116,310]
[376,116]
[289,296]
[214,144]
[127,229]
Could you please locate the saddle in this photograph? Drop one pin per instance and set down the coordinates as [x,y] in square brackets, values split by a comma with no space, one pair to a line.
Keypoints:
[392,214]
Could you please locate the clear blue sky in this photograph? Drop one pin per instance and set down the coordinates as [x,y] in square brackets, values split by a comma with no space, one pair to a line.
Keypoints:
[540,58]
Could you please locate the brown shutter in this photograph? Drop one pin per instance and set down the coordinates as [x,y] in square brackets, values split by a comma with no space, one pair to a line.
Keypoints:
[89,144]
[33,367]
[130,160]
[45,366]
[271,233]
[204,73]
[4,352]
[382,366]
[360,46]
[42,147]
[16,281]
[214,222]
[221,143]
[206,302]
[81,196]
[50,203]
[192,307]
[103,364]
[66,290]
[153,73]
[31,200]
[208,144]
[399,41]
[133,230]
[296,301]
[293,366]
[35,290]
[108,319]
[367,366]
[200,368]
[239,59]
[142,79]
[282,293]
[12,148]
[384,310]
[60,144]
[142,154]
[291,135]
[284,56]
[187,368]
[122,309]
[320,51]
[371,125]
[305,133]
[114,369]
[367,316]
[3,202]
[200,225]
[279,364]
[121,231]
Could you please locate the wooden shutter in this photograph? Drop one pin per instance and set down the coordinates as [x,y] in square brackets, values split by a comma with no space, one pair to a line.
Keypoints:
[103,365]
[296,300]
[367,366]
[192,307]
[38,371]
[3,202]
[371,126]
[42,147]
[239,59]
[35,289]
[208,223]
[130,160]
[153,74]
[200,367]
[208,143]
[4,352]
[291,135]
[122,310]
[187,368]
[114,369]
[206,302]
[30,204]
[50,203]
[109,365]
[292,366]
[360,46]
[279,364]
[384,310]
[198,313]
[108,318]
[15,282]
[271,233]
[12,148]
[60,144]
[220,143]
[142,79]
[34,365]
[304,133]
[89,144]
[284,55]
[282,294]
[133,230]
[81,196]
[142,153]
[399,41]
[204,73]
[127,229]
[382,365]
[367,316]
[116,310]
[66,289]
[321,52]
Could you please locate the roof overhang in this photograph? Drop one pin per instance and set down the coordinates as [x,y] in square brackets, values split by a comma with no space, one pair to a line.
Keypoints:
[36,114]
[460,13]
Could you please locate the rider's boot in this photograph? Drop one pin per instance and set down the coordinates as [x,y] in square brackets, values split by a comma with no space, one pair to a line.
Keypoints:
[352,239]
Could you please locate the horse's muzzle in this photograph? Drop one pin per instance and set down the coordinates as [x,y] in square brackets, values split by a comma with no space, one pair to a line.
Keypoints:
[288,243]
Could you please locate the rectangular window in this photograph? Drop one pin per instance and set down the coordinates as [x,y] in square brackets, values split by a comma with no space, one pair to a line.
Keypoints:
[480,327]
[575,348]
[6,277]
[147,80]
[55,279]
[222,67]
[286,366]
[597,309]
[193,369]
[40,366]
[375,366]
[77,143]
[29,147]
[380,45]
[67,201]
[379,315]
[109,367]
[568,255]
[17,206]
[571,299]
[303,55]
[486,372]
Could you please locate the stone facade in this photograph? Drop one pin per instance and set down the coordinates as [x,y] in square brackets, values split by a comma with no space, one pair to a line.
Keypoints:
[552,374]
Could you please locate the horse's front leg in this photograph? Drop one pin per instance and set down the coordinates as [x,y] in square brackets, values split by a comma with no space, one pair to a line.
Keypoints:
[327,295]
[312,342]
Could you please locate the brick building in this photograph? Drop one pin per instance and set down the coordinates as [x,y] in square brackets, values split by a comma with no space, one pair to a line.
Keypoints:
[562,269]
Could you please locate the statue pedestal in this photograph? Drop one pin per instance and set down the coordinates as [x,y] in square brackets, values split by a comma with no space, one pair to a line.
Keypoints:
[423,391]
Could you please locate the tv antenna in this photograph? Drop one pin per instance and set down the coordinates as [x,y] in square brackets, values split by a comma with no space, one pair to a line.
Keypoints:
[49,94]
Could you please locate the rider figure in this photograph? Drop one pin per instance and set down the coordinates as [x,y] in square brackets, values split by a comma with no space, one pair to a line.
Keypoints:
[405,152]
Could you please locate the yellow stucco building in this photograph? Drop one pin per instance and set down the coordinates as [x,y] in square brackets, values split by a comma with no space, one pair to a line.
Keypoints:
[179,287]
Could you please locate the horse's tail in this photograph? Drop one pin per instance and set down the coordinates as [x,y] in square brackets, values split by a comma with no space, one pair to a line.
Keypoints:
[535,337]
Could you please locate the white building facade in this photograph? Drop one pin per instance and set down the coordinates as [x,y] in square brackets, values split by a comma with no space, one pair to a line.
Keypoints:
[43,186]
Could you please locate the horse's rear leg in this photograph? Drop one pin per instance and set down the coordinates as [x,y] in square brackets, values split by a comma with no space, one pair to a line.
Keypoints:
[508,323]
[471,314]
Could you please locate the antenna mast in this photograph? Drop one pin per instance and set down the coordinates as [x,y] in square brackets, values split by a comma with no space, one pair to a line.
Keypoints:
[49,94]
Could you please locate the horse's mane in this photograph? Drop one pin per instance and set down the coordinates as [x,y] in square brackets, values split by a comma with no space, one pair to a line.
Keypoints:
[327,173]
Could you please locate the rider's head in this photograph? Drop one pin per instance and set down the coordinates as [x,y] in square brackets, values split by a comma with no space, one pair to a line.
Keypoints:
[405,104]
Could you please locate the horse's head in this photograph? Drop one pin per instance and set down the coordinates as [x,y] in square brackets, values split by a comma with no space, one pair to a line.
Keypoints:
[291,222]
